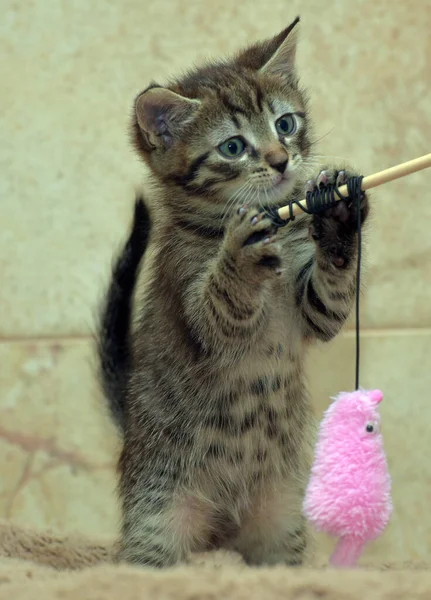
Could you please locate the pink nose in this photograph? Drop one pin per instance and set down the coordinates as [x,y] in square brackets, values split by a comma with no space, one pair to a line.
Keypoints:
[376,396]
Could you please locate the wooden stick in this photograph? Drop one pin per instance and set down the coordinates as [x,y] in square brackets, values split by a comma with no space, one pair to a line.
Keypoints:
[372,181]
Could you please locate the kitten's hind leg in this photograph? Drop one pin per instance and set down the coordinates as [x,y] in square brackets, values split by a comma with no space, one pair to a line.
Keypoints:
[161,531]
[275,532]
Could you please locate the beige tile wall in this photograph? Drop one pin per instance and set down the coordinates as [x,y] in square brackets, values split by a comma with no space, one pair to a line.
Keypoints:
[69,74]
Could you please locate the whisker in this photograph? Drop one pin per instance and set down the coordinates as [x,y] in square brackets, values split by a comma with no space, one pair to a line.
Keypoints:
[331,156]
[316,140]
[232,200]
[243,197]
[249,195]
[254,196]
[267,198]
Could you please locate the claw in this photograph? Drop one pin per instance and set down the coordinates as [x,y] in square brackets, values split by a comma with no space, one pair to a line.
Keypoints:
[322,179]
[257,218]
[309,186]
[341,178]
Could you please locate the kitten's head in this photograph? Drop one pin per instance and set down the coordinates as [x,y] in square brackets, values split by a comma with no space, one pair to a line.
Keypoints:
[232,130]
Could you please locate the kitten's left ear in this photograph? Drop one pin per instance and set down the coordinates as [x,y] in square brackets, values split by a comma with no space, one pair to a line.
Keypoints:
[283,59]
[161,116]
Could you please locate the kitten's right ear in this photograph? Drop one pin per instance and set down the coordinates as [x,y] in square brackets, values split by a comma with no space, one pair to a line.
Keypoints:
[161,115]
[275,56]
[283,59]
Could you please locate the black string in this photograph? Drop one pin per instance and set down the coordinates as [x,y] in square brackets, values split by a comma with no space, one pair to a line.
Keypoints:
[355,194]
[318,201]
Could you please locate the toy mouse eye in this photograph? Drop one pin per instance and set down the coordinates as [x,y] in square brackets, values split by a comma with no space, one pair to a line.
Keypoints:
[371,427]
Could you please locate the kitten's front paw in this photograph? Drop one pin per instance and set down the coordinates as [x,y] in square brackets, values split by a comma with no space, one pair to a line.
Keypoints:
[334,229]
[252,242]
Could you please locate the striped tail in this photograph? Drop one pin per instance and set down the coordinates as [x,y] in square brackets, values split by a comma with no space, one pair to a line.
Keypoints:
[113,338]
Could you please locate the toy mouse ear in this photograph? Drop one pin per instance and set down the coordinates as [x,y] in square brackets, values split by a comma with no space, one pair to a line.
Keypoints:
[376,396]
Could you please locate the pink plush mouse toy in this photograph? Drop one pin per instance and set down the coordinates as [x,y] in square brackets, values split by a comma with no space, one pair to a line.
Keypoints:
[349,493]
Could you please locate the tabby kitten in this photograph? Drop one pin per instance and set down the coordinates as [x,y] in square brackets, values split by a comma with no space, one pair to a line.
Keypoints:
[209,389]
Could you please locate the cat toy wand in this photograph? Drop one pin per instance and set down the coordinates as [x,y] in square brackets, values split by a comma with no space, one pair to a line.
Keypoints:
[349,492]
[288,212]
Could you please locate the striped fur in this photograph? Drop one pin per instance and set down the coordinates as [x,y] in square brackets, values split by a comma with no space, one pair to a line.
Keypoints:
[217,422]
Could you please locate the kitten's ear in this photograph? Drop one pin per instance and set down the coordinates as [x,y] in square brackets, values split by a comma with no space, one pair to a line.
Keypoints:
[276,56]
[161,115]
[283,59]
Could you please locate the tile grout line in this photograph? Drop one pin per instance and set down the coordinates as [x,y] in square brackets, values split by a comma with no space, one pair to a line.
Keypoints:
[45,338]
[366,332]
[389,331]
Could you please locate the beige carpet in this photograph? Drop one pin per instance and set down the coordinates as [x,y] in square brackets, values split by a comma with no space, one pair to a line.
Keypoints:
[44,566]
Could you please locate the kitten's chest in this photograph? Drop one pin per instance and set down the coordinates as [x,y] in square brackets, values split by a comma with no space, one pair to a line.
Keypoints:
[264,389]
[247,438]
[249,442]
[278,347]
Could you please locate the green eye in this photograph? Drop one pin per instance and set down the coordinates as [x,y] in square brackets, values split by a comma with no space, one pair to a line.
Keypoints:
[232,148]
[286,125]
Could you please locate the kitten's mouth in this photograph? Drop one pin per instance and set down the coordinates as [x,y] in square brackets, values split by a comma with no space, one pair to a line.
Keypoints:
[283,180]
[279,189]
[282,183]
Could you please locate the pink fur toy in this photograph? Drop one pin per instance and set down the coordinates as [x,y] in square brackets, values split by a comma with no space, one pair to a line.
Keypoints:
[349,493]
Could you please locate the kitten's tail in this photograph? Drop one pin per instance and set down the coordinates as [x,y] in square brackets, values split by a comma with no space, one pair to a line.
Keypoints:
[113,339]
